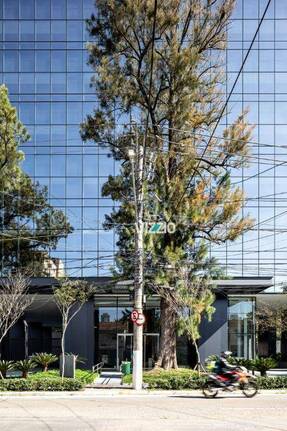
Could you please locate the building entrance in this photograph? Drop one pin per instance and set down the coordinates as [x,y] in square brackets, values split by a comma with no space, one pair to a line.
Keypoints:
[150,349]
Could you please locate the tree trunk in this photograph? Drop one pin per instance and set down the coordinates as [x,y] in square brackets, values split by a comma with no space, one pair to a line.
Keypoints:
[64,327]
[198,362]
[167,356]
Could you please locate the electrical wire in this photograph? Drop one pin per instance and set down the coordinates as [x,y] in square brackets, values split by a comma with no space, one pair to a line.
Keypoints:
[228,97]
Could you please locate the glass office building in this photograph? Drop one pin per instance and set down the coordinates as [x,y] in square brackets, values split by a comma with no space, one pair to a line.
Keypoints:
[43,63]
[262,90]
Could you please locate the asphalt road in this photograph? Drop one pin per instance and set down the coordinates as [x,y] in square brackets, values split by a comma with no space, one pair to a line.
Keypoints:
[266,412]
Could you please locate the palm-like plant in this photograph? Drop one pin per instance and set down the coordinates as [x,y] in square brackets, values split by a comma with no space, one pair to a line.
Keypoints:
[264,364]
[25,366]
[6,366]
[44,359]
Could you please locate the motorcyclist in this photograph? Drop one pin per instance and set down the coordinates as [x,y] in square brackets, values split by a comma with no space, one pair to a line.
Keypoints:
[223,367]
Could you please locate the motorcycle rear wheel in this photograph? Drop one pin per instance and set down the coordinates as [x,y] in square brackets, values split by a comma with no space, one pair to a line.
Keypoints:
[250,389]
[209,390]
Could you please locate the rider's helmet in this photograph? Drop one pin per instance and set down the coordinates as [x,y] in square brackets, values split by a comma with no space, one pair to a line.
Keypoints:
[226,354]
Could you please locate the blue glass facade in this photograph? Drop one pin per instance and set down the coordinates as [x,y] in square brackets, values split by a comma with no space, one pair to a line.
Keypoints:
[43,63]
[262,90]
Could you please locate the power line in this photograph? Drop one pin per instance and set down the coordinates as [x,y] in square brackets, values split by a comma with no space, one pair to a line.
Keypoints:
[227,100]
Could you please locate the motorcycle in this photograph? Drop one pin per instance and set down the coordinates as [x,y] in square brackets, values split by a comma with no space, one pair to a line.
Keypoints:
[239,379]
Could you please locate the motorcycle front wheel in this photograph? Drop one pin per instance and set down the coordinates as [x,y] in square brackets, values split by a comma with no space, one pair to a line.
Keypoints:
[250,389]
[209,390]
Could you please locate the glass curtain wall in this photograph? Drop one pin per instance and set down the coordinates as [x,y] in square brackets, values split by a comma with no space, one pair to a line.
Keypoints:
[262,91]
[43,63]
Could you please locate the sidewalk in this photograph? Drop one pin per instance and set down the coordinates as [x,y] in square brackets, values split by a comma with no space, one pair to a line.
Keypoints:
[127,392]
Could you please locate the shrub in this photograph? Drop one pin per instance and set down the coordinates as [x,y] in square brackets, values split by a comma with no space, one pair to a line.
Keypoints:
[173,381]
[279,382]
[46,384]
[83,376]
[25,366]
[243,362]
[183,378]
[6,366]
[264,364]
[44,360]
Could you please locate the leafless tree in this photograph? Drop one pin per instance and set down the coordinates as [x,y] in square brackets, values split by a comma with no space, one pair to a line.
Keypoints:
[14,300]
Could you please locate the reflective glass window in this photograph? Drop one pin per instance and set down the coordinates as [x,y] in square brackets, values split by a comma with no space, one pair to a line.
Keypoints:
[27,9]
[58,9]
[90,217]
[11,9]
[74,112]
[27,113]
[74,9]
[58,135]
[75,31]
[27,61]
[42,165]
[42,113]
[74,165]
[27,83]
[58,82]
[74,187]
[42,83]
[57,187]
[75,217]
[10,30]
[43,9]
[10,63]
[74,83]
[42,135]
[73,241]
[106,165]
[91,187]
[90,165]
[106,240]
[58,31]
[42,61]
[58,59]
[58,112]
[58,163]
[26,30]
[74,60]
[90,240]
[42,30]
[87,82]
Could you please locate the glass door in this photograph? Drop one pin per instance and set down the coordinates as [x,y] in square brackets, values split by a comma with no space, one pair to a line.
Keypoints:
[124,348]
[150,349]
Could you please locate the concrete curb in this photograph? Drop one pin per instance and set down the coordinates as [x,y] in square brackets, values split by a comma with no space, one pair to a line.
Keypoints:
[110,393]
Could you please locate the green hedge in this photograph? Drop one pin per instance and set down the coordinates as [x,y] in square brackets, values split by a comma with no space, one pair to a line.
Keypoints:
[45,384]
[176,380]
[84,376]
[279,382]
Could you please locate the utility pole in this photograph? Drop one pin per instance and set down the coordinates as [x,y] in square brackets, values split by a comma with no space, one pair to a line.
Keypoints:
[136,158]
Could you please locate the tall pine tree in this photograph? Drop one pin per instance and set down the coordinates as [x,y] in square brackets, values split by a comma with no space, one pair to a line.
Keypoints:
[187,173]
